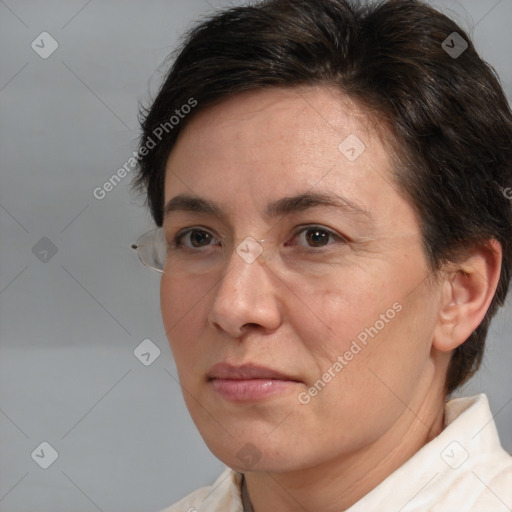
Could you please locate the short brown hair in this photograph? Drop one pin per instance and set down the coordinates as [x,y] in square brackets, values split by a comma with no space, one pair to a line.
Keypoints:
[448,114]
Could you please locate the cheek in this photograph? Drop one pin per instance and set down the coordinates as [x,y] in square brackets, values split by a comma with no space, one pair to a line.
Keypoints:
[369,323]
[359,367]
[170,303]
[379,346]
[328,318]
[181,297]
[182,308]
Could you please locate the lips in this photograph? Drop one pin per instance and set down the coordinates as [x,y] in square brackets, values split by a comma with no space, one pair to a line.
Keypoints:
[245,372]
[248,383]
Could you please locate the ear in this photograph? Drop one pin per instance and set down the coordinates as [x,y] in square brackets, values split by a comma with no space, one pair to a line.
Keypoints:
[467,292]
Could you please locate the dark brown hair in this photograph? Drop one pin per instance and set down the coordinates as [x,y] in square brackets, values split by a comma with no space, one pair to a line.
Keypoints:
[447,113]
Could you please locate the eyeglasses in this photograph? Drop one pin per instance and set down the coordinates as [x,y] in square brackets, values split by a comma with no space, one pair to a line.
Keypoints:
[295,261]
[151,249]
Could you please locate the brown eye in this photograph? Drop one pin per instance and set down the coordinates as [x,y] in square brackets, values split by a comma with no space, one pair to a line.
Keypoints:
[200,238]
[317,237]
[194,238]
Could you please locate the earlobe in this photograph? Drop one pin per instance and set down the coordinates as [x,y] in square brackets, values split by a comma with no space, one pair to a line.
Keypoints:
[467,292]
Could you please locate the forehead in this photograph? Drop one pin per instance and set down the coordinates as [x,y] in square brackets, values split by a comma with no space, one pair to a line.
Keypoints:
[261,145]
[291,114]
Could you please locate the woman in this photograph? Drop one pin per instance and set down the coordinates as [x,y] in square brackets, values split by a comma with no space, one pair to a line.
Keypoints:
[334,240]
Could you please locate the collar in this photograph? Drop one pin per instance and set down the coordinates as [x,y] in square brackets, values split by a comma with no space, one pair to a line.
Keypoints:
[432,472]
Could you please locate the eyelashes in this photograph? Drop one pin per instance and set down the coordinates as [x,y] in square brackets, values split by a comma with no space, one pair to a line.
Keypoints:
[310,236]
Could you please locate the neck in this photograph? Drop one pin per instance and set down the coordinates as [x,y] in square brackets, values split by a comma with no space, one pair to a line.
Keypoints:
[337,484]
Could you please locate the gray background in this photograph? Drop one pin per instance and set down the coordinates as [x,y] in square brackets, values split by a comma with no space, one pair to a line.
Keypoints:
[69,325]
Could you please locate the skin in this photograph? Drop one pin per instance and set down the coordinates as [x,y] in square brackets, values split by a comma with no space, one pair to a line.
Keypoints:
[296,308]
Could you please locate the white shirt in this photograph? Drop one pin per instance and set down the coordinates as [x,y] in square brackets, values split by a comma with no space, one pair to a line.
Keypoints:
[464,469]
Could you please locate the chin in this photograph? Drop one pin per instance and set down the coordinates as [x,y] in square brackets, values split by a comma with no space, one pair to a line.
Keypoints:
[245,452]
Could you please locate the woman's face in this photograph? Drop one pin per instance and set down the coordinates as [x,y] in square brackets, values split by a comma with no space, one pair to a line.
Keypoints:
[325,328]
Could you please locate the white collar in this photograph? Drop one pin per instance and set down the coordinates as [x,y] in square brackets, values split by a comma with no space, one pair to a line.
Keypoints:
[463,469]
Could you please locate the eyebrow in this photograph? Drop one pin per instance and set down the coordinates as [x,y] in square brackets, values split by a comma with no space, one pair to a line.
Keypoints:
[302,202]
[187,203]
[279,208]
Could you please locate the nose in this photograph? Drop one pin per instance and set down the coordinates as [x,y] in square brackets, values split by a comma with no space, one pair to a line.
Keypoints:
[247,295]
